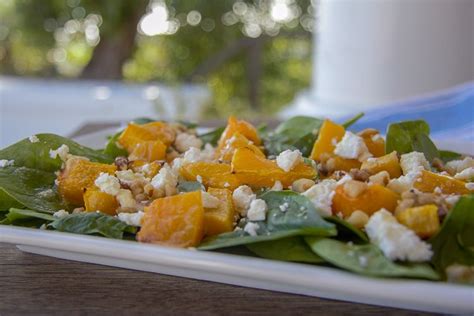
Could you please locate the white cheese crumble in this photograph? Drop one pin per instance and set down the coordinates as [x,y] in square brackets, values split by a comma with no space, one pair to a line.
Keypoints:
[257,210]
[6,163]
[284,207]
[199,179]
[376,138]
[460,165]
[404,183]
[185,141]
[107,183]
[465,175]
[413,162]
[209,200]
[129,177]
[470,186]
[165,181]
[125,199]
[33,139]
[352,146]
[321,195]
[62,152]
[289,159]
[396,241]
[277,186]
[242,197]
[251,228]
[60,214]
[132,219]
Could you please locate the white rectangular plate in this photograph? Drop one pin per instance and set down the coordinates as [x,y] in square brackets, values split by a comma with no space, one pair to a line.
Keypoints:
[247,271]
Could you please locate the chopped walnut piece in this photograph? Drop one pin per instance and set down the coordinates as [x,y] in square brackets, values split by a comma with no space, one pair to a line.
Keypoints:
[121,163]
[360,175]
[302,185]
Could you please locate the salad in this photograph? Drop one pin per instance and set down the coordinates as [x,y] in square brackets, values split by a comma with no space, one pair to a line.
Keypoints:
[310,191]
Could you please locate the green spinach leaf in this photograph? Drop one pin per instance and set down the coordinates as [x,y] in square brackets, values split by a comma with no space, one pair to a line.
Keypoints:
[352,120]
[366,259]
[451,244]
[346,231]
[299,218]
[112,148]
[285,249]
[92,223]
[212,137]
[19,216]
[446,155]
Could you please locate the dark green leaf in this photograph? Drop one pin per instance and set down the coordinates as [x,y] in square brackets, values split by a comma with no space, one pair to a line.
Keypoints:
[190,125]
[17,216]
[446,155]
[212,137]
[366,259]
[112,148]
[299,219]
[30,188]
[189,186]
[422,143]
[286,249]
[347,231]
[92,223]
[142,120]
[451,244]
[353,120]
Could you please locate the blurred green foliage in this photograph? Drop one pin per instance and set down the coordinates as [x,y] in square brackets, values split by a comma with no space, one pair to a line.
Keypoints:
[253,57]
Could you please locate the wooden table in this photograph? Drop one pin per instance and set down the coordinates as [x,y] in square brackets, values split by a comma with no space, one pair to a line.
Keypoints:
[33,284]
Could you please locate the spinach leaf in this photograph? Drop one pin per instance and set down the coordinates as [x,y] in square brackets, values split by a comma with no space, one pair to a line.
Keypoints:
[112,148]
[212,137]
[300,218]
[446,155]
[451,244]
[286,249]
[36,155]
[189,186]
[30,188]
[346,231]
[366,259]
[17,216]
[405,137]
[92,223]
[298,132]
[352,120]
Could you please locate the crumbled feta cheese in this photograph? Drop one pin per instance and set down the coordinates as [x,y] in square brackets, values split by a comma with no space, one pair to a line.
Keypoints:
[465,175]
[191,155]
[33,139]
[396,241]
[413,162]
[452,199]
[344,179]
[470,186]
[129,177]
[62,152]
[352,146]
[165,181]
[107,183]
[185,141]
[226,184]
[459,165]
[284,207]
[60,214]
[289,159]
[132,219]
[209,200]
[277,186]
[257,210]
[251,228]
[199,178]
[404,183]
[6,163]
[242,197]
[125,199]
[376,137]
[321,195]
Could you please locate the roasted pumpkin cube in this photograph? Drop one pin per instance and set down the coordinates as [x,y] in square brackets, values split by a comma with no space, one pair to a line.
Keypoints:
[78,175]
[239,126]
[220,219]
[369,201]
[423,220]
[236,141]
[334,163]
[96,200]
[149,151]
[212,174]
[174,221]
[258,172]
[162,131]
[429,181]
[387,163]
[374,141]
[329,135]
[149,169]
[133,135]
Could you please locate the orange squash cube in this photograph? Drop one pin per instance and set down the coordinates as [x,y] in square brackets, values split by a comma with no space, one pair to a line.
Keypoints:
[329,135]
[429,181]
[236,141]
[174,221]
[375,144]
[423,220]
[219,220]
[387,163]
[370,201]
[133,135]
[149,169]
[259,172]
[335,162]
[149,151]
[162,131]
[78,175]
[212,174]
[96,200]
[243,127]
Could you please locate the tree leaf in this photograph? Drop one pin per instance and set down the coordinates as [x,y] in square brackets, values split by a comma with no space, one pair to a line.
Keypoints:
[285,249]
[299,219]
[366,259]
